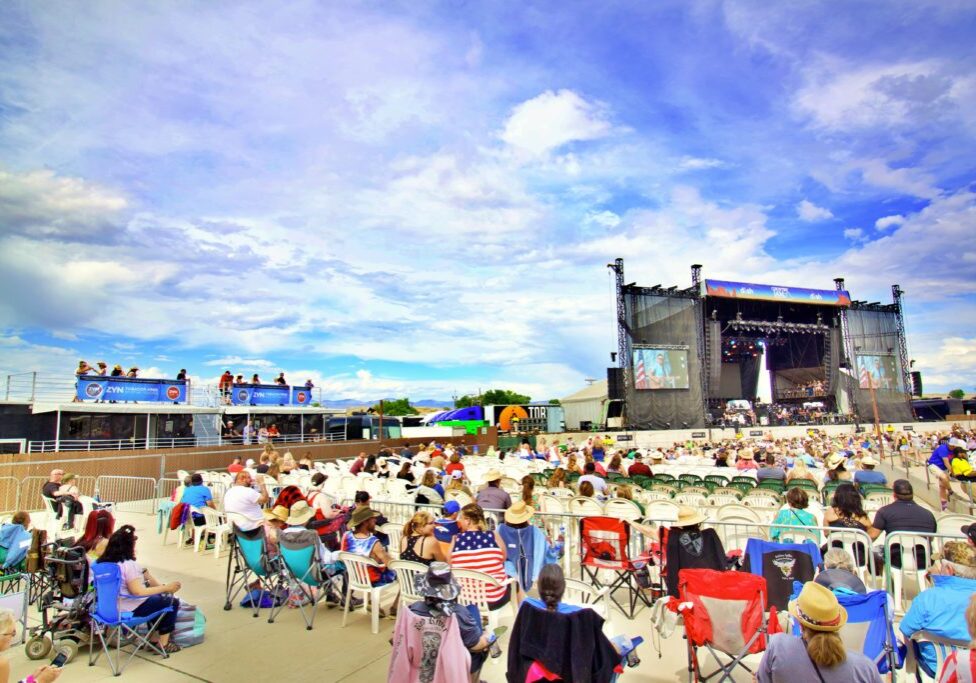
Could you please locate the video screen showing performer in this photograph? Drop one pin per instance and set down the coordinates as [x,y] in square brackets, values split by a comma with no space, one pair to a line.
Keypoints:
[657,368]
[877,372]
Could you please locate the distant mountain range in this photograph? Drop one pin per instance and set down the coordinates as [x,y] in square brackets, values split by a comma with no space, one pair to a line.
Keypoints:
[354,402]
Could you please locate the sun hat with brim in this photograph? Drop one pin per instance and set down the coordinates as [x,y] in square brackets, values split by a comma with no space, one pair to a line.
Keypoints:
[278,512]
[835,461]
[437,582]
[362,515]
[657,455]
[493,475]
[519,512]
[688,516]
[868,460]
[68,476]
[816,607]
[300,513]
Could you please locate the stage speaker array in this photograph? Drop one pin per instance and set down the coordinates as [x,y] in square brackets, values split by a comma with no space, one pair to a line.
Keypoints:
[615,384]
[713,355]
[916,383]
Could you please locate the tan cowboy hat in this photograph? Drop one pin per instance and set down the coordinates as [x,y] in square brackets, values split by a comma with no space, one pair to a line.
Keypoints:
[300,513]
[688,516]
[816,607]
[868,460]
[493,475]
[657,455]
[362,515]
[518,513]
[279,512]
[834,461]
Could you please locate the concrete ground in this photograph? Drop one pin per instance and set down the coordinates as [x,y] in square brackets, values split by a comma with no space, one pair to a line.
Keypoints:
[239,647]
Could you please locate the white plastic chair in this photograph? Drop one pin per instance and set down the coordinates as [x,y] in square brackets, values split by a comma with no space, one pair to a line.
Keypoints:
[582,505]
[461,497]
[357,570]
[214,523]
[394,531]
[406,572]
[621,508]
[661,511]
[474,591]
[909,571]
[584,594]
[695,500]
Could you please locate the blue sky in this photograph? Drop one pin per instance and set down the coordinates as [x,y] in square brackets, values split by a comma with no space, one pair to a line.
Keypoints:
[420,198]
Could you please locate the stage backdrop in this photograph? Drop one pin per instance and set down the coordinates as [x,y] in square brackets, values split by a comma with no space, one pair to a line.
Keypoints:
[663,335]
[874,338]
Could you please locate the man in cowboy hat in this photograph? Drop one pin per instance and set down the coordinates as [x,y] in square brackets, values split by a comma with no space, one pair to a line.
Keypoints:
[867,473]
[818,654]
[440,592]
[493,497]
[360,540]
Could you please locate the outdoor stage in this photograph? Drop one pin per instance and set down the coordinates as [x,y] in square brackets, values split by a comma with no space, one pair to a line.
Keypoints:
[684,354]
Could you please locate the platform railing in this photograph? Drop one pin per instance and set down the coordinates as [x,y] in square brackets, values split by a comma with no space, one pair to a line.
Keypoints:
[132,443]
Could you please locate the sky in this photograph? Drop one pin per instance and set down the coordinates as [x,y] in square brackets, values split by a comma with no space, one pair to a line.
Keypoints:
[420,198]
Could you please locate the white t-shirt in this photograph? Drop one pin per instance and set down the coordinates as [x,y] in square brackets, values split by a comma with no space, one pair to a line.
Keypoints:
[244,501]
[599,485]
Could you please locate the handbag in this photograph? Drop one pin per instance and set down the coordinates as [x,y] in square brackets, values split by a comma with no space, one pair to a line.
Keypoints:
[191,625]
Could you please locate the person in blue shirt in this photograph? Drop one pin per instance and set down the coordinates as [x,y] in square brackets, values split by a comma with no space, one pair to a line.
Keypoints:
[867,473]
[941,609]
[446,528]
[938,465]
[197,495]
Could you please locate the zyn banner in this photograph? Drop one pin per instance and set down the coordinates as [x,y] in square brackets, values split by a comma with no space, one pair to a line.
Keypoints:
[124,389]
[270,395]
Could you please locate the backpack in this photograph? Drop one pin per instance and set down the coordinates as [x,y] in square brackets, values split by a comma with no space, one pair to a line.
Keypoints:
[35,555]
[191,625]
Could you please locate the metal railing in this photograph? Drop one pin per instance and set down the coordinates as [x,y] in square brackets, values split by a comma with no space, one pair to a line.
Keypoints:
[56,388]
[130,494]
[153,442]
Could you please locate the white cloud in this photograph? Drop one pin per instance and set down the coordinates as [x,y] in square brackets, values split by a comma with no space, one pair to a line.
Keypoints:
[854,234]
[698,164]
[553,119]
[810,212]
[238,362]
[889,222]
[605,219]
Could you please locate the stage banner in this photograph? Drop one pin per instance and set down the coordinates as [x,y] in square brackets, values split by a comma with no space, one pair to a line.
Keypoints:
[97,388]
[799,295]
[270,395]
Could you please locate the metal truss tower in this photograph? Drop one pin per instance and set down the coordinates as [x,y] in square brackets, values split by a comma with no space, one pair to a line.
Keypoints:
[848,345]
[703,361]
[906,371]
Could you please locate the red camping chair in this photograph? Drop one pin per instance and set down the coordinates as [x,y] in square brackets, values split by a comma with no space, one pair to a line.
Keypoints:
[604,545]
[727,614]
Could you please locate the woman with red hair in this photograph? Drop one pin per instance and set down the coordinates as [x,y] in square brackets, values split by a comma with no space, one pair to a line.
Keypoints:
[98,528]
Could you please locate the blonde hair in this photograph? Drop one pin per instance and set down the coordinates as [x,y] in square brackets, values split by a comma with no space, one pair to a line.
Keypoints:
[7,620]
[557,478]
[825,648]
[475,515]
[430,478]
[417,522]
[625,491]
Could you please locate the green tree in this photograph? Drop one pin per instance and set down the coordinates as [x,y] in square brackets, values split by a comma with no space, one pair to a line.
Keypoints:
[555,402]
[957,393]
[492,397]
[396,407]
[466,401]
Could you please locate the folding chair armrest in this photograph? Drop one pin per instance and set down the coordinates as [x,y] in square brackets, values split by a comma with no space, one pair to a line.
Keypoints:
[601,593]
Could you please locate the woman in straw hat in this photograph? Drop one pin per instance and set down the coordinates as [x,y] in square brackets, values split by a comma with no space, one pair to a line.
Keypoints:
[691,547]
[836,468]
[818,655]
[526,545]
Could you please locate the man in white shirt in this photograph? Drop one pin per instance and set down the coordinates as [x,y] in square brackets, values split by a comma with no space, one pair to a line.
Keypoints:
[246,501]
[599,485]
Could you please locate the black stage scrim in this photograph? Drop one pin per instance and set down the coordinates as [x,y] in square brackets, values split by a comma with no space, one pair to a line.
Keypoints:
[876,364]
[663,337]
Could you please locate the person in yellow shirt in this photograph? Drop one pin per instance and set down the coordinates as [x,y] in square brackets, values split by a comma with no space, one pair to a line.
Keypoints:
[961,469]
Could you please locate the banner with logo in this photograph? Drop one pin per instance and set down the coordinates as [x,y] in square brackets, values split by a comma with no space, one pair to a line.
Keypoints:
[123,389]
[270,395]
[799,295]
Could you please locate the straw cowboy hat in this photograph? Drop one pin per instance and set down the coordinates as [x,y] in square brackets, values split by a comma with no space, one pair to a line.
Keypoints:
[493,475]
[688,516]
[362,515]
[300,513]
[279,512]
[868,460]
[657,455]
[518,513]
[835,460]
[816,607]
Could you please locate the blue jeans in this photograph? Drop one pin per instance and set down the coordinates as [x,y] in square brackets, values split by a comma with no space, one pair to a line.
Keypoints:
[154,603]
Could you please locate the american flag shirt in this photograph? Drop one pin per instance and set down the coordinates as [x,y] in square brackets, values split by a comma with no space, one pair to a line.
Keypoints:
[478,550]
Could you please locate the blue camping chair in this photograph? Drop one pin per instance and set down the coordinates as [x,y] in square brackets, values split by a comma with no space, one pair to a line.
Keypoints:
[108,623]
[306,576]
[869,628]
[249,564]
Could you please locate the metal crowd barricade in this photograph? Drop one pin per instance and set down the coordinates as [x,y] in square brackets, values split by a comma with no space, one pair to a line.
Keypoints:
[165,488]
[129,494]
[9,494]
[29,494]
[896,579]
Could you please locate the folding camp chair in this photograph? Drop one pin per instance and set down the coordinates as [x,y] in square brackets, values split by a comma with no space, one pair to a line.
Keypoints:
[13,596]
[306,577]
[869,628]
[943,647]
[781,564]
[108,623]
[250,563]
[727,614]
[604,545]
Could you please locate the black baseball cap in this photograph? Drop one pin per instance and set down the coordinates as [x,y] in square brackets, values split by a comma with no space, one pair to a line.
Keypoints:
[970,531]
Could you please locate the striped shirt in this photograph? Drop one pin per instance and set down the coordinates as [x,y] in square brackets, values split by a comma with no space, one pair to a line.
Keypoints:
[959,667]
[478,550]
